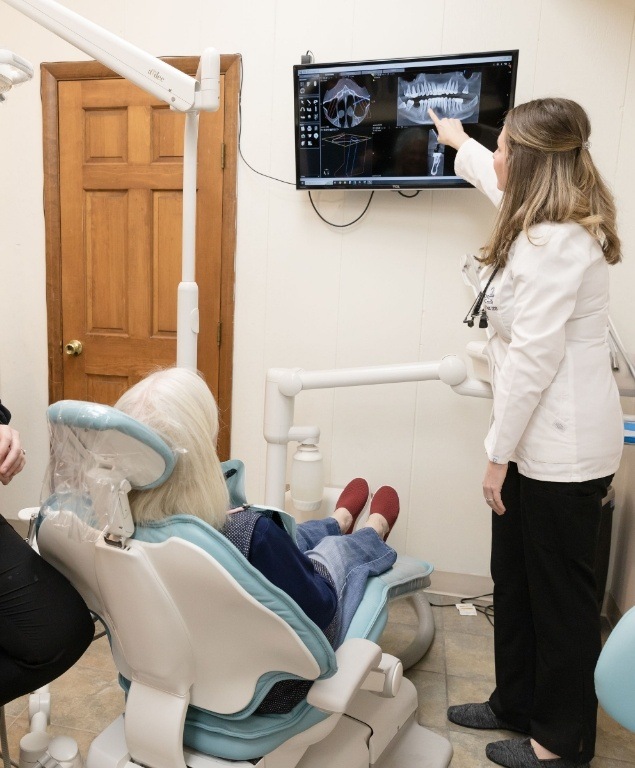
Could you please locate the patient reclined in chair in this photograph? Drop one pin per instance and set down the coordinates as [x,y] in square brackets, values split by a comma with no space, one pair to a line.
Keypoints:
[199,636]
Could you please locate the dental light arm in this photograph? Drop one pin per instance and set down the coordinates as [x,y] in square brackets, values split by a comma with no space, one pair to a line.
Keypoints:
[14,67]
[284,384]
[13,71]
[181,92]
[162,80]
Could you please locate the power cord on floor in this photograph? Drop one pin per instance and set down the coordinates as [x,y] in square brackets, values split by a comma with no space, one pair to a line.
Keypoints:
[486,609]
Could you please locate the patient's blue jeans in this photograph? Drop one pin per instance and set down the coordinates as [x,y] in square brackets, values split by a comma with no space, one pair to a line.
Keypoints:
[350,560]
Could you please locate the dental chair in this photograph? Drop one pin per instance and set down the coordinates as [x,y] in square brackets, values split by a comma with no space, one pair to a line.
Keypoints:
[615,672]
[199,636]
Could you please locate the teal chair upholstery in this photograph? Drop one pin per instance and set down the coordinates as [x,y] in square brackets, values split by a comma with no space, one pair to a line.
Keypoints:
[615,672]
[90,440]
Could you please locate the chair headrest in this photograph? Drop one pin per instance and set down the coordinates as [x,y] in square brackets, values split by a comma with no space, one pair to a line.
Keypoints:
[112,438]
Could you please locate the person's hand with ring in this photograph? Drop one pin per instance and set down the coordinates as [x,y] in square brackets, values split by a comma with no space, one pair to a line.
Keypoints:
[493,485]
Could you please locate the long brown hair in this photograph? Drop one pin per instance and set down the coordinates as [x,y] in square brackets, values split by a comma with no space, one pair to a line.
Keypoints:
[551,177]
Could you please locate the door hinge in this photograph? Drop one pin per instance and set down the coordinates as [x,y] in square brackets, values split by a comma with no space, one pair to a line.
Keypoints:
[219,332]
[222,155]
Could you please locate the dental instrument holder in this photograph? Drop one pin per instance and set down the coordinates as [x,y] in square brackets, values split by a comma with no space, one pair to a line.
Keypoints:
[182,93]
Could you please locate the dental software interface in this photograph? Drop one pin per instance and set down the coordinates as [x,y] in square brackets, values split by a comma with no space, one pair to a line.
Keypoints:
[367,125]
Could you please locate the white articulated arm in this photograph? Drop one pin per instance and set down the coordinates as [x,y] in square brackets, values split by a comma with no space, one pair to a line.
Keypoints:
[284,384]
[163,81]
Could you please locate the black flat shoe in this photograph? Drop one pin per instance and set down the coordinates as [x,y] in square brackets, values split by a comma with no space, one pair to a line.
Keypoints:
[518,753]
[479,716]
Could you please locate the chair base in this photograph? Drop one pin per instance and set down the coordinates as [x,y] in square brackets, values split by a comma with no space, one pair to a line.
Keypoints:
[380,733]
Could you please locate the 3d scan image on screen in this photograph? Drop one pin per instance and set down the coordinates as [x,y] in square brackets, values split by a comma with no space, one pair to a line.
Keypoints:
[346,104]
[366,124]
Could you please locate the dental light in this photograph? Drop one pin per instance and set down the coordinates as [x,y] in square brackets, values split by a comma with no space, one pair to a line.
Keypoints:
[14,70]
[180,91]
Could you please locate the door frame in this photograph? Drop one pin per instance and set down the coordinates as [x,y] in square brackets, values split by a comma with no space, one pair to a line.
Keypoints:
[51,74]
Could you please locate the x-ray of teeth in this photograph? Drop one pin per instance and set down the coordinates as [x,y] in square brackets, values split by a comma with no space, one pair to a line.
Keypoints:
[436,155]
[346,104]
[351,154]
[449,95]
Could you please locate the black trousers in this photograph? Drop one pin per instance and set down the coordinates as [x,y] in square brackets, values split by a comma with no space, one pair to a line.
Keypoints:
[547,619]
[45,625]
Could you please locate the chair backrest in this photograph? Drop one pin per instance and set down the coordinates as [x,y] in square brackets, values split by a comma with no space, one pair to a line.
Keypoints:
[615,672]
[185,612]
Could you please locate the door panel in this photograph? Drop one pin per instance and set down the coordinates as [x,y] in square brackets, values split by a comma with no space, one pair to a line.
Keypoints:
[112,195]
[121,216]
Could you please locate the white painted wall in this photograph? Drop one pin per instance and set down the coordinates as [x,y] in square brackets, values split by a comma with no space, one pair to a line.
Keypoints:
[387,289]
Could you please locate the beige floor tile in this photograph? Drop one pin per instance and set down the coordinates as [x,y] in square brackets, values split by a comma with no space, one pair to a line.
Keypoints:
[469,625]
[86,698]
[434,660]
[469,655]
[466,690]
[613,741]
[15,732]
[432,697]
[98,655]
[469,748]
[15,708]
[606,762]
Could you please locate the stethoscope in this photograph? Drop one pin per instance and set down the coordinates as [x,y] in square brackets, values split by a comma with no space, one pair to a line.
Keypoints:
[477,309]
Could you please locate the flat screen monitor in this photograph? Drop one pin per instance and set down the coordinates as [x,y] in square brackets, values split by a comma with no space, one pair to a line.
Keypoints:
[365,124]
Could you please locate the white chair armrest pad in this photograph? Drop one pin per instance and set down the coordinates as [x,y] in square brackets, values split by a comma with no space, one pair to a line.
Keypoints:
[355,659]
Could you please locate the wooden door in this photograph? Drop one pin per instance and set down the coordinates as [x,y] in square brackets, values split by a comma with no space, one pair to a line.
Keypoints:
[120,213]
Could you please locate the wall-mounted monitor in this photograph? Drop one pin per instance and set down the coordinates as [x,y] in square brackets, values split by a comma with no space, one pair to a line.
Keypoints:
[365,124]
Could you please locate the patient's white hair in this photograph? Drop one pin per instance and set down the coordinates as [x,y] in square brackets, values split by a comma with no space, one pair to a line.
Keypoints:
[177,404]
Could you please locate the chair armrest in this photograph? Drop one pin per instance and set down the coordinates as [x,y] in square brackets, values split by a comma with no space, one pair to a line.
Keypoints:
[355,659]
[386,678]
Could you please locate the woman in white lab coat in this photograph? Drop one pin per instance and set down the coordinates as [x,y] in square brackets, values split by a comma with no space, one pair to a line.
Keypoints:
[556,434]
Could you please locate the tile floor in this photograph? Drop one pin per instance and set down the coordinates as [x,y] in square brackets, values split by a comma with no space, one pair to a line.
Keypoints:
[457,668]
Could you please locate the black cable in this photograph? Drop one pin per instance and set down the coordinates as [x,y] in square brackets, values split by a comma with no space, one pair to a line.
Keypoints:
[99,635]
[283,181]
[403,194]
[240,128]
[330,223]
[487,610]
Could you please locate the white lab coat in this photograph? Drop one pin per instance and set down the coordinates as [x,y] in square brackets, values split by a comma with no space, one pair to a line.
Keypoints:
[556,408]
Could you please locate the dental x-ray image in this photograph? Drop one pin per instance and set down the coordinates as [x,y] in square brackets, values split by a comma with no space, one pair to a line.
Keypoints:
[346,104]
[365,124]
[436,155]
[450,94]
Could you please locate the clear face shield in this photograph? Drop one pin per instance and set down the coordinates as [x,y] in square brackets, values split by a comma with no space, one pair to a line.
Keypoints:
[99,454]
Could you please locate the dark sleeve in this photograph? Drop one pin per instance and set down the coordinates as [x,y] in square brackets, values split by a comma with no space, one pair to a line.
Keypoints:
[5,414]
[274,553]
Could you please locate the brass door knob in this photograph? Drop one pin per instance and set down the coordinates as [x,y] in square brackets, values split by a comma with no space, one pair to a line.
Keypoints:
[74,348]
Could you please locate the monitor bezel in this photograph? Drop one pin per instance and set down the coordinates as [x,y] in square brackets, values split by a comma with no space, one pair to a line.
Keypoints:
[417,182]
